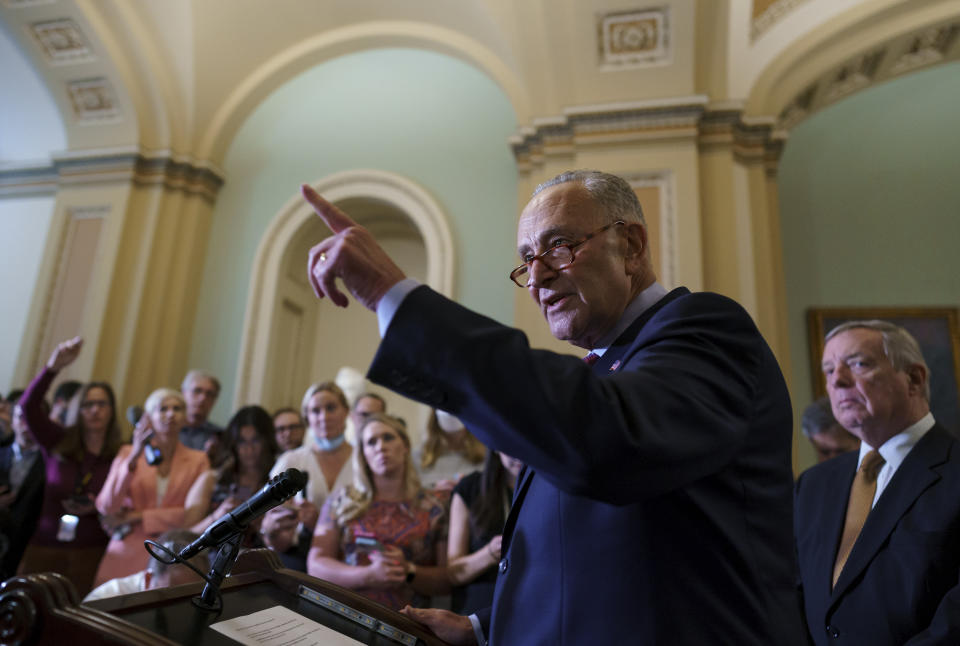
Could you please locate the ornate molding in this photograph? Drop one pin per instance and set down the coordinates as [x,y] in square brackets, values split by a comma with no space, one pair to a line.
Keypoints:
[62,41]
[110,167]
[687,118]
[629,39]
[93,101]
[767,13]
[605,124]
[903,54]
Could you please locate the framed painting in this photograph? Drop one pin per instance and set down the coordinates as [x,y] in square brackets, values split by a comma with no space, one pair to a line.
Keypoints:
[934,328]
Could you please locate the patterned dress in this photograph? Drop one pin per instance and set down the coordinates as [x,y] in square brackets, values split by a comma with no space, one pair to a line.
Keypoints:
[415,526]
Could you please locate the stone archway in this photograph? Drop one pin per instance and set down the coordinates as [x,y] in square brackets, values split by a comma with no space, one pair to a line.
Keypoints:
[285,327]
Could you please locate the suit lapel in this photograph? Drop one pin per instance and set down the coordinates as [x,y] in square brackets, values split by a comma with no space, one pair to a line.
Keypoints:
[609,362]
[831,524]
[523,484]
[914,476]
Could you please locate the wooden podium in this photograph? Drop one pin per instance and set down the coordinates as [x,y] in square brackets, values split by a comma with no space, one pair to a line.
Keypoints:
[44,609]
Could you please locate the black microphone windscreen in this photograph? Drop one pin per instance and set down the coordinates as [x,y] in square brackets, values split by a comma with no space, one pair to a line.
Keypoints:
[134,413]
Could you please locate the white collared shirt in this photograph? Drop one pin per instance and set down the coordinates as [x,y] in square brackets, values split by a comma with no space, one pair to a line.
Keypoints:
[895,450]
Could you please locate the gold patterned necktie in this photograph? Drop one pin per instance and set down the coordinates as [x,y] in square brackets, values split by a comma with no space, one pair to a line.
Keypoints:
[862,491]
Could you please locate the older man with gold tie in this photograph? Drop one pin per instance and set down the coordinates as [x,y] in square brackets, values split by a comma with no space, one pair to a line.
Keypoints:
[880,565]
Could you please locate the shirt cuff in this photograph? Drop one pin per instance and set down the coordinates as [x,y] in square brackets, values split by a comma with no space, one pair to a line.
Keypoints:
[477,630]
[390,302]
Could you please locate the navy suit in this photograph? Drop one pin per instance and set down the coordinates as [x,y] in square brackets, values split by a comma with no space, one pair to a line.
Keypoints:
[18,521]
[656,506]
[899,584]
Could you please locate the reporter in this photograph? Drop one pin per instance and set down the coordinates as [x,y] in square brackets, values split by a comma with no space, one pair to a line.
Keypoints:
[253,449]
[139,501]
[385,535]
[478,510]
[68,538]
[327,461]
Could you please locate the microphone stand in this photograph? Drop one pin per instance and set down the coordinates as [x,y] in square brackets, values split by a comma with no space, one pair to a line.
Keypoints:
[209,599]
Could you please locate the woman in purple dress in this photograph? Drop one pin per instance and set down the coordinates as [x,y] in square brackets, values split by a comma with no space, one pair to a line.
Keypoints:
[68,538]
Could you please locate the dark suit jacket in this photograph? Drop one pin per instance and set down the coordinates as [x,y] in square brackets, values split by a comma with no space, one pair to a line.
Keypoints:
[18,521]
[899,584]
[656,508]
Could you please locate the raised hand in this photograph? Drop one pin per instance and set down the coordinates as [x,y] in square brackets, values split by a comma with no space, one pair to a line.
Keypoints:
[141,435]
[350,254]
[65,353]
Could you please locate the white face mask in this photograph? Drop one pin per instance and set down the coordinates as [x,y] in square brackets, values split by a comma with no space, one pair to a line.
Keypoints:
[329,443]
[448,423]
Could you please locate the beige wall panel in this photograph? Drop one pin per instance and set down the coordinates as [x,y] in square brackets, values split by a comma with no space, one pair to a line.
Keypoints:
[71,293]
[650,197]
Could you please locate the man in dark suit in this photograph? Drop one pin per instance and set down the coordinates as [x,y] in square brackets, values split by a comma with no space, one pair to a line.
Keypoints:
[878,530]
[22,481]
[655,508]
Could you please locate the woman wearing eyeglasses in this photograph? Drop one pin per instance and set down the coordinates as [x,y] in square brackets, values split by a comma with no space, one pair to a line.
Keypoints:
[69,538]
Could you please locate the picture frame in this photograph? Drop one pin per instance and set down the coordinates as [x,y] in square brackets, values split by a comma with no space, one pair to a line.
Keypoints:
[937,331]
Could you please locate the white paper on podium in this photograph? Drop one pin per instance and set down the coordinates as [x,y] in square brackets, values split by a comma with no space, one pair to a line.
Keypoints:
[279,626]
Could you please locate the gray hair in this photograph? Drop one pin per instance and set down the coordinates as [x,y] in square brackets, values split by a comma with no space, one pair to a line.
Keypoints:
[612,193]
[817,417]
[195,375]
[899,345]
[157,396]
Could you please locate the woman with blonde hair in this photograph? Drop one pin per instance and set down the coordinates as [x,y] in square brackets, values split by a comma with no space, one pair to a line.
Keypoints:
[327,461]
[155,484]
[449,452]
[385,535]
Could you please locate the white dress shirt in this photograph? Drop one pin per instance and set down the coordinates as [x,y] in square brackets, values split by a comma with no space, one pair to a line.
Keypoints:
[895,450]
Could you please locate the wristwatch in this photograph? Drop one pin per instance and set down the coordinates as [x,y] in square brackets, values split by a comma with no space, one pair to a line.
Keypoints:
[411,572]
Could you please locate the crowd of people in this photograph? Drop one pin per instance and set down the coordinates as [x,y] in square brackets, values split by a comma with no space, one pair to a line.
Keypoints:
[652,498]
[80,501]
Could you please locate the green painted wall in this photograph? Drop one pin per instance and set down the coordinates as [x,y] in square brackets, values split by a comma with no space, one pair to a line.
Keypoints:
[870,206]
[24,226]
[431,118]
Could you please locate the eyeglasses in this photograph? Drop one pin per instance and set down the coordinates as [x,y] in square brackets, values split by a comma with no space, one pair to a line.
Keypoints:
[289,428]
[557,257]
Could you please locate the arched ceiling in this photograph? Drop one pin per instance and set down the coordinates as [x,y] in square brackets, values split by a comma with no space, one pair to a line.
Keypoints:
[176,78]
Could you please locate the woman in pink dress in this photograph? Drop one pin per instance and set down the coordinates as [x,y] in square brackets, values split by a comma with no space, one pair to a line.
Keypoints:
[140,500]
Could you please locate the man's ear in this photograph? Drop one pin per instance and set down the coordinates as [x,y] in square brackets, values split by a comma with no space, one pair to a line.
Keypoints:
[636,246]
[917,375]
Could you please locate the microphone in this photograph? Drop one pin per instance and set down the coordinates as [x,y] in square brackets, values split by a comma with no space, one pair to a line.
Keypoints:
[281,488]
[134,413]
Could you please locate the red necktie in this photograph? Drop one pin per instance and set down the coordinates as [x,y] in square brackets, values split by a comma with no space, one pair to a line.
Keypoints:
[591,359]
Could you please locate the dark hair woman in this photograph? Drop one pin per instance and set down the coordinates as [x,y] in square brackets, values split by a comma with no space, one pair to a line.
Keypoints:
[68,538]
[478,510]
[253,449]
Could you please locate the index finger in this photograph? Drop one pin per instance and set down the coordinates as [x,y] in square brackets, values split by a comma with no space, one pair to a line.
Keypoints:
[333,217]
